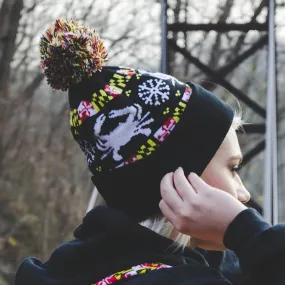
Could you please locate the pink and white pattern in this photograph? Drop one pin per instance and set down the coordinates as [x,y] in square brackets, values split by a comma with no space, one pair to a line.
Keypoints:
[86,110]
[165,130]
[126,72]
[187,94]
[111,91]
[129,161]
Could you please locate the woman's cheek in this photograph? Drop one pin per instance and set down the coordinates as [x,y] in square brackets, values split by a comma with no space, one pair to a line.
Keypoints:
[222,179]
[212,177]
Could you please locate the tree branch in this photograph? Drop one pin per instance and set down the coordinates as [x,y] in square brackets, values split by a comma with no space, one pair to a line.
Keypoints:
[31,87]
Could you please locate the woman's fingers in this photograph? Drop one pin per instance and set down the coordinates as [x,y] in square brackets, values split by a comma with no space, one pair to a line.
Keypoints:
[197,183]
[169,193]
[182,185]
[167,211]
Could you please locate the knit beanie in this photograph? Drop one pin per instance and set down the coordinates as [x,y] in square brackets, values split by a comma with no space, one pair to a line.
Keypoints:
[133,126]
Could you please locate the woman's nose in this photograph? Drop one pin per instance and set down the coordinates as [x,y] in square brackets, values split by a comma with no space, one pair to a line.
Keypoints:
[242,193]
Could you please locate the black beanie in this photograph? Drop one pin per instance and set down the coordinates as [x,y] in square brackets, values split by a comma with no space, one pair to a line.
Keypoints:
[133,126]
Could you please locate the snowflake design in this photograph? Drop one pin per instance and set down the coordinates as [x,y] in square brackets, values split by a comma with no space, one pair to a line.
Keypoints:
[154,92]
[88,149]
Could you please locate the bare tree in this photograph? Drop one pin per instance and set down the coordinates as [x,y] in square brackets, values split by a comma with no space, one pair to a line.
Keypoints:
[10,14]
[45,182]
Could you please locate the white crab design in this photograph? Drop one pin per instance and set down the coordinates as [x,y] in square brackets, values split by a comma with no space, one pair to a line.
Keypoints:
[124,132]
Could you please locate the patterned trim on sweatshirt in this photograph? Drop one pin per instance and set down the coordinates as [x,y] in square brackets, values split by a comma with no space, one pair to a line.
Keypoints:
[135,270]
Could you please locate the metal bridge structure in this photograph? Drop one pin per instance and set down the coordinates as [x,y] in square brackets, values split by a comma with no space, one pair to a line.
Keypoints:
[268,129]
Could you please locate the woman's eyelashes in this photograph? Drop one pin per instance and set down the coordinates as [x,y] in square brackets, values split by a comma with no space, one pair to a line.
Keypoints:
[235,168]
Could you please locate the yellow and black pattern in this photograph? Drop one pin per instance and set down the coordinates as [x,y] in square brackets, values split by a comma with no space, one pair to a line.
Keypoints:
[121,79]
[128,93]
[146,149]
[74,118]
[166,111]
[99,168]
[115,87]
[178,93]
[179,110]
[100,99]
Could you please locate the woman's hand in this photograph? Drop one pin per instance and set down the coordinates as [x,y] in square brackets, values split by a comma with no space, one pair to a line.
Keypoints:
[197,209]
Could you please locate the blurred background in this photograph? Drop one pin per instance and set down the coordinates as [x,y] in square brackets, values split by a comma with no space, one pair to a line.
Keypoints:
[45,184]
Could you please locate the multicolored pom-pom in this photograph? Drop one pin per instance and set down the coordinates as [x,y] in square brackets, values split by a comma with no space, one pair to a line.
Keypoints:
[69,53]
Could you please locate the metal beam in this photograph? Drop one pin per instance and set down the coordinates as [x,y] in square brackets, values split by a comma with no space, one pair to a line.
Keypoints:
[218,78]
[253,152]
[270,170]
[218,27]
[252,129]
[223,71]
[164,31]
[240,58]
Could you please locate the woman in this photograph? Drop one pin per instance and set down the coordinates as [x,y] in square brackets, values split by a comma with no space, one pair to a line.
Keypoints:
[140,133]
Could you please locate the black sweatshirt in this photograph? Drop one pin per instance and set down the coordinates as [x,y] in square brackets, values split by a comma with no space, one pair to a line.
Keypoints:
[108,242]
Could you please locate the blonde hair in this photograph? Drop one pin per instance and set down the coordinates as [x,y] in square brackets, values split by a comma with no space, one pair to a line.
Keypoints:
[161,225]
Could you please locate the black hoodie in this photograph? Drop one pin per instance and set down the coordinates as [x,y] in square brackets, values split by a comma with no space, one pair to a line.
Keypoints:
[108,242]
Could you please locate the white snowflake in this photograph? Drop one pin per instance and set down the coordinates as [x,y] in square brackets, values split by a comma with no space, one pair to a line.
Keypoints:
[154,92]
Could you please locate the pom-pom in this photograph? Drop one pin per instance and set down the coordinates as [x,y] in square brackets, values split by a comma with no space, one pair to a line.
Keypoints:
[69,53]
